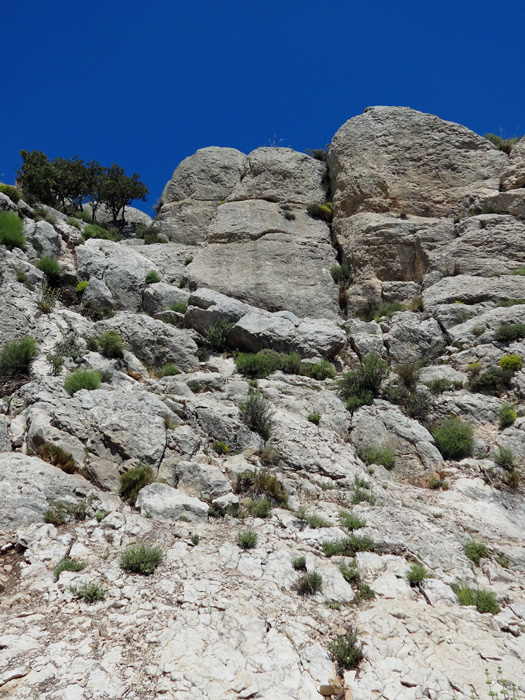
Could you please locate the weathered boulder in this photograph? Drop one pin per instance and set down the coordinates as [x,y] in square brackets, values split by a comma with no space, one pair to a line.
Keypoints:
[43,237]
[98,295]
[28,486]
[206,307]
[6,204]
[485,245]
[152,341]
[160,297]
[385,425]
[365,337]
[162,502]
[186,222]
[398,159]
[514,174]
[222,421]
[122,269]
[201,480]
[410,338]
[472,290]
[282,175]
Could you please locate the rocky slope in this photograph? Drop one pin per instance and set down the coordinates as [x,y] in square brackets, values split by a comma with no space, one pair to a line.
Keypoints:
[421,267]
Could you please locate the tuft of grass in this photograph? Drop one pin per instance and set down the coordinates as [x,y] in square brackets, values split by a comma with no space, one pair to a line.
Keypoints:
[247,539]
[341,274]
[314,418]
[504,458]
[359,387]
[505,145]
[309,584]
[51,269]
[67,565]
[350,521]
[376,454]
[16,356]
[417,574]
[260,509]
[510,302]
[508,332]
[436,481]
[485,601]
[90,592]
[348,546]
[179,306]
[299,563]
[217,336]
[95,231]
[346,651]
[507,415]
[314,521]
[351,574]
[82,379]
[195,539]
[11,227]
[260,482]
[73,221]
[152,277]
[141,559]
[256,414]
[170,370]
[221,448]
[58,457]
[111,344]
[194,385]
[133,480]
[475,551]
[454,438]
[320,211]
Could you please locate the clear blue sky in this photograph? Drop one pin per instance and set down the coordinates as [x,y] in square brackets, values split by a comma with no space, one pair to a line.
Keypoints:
[144,84]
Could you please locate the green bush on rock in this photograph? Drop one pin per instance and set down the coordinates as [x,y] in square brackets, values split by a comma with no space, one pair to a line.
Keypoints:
[11,227]
[82,379]
[454,438]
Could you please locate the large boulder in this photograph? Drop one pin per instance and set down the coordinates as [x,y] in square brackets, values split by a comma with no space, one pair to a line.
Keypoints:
[155,343]
[397,159]
[468,289]
[28,486]
[43,238]
[162,502]
[122,269]
[412,338]
[514,175]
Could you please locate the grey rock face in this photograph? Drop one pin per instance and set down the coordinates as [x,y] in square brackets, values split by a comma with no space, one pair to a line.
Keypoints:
[384,425]
[160,296]
[169,259]
[394,158]
[472,290]
[282,175]
[410,339]
[152,341]
[122,269]
[206,307]
[162,502]
[514,174]
[28,487]
[200,480]
[43,238]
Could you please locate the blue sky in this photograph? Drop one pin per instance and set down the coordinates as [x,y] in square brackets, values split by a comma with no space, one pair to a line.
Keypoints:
[144,84]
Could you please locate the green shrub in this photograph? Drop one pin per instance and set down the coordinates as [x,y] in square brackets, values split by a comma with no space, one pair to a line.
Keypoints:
[47,299]
[17,355]
[518,271]
[359,387]
[365,592]
[510,302]
[341,274]
[179,306]
[314,418]
[346,652]
[309,584]
[485,601]
[351,574]
[507,415]
[111,344]
[81,287]
[89,592]
[317,370]
[133,480]
[170,370]
[299,563]
[63,511]
[42,214]
[438,386]
[436,481]
[152,277]
[508,332]
[260,509]
[51,269]
[11,192]
[350,521]
[247,539]
[150,234]
[217,335]
[378,455]
[313,521]
[195,539]
[502,144]
[82,379]
[257,366]
[72,221]
[11,227]
[417,574]
[221,448]
[259,482]
[141,559]
[67,565]
[504,458]
[475,551]
[321,211]
[493,380]
[256,414]
[95,231]
[348,546]
[454,438]
[511,363]
[58,457]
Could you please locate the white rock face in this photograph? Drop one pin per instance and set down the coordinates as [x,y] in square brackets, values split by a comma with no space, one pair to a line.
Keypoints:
[162,502]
